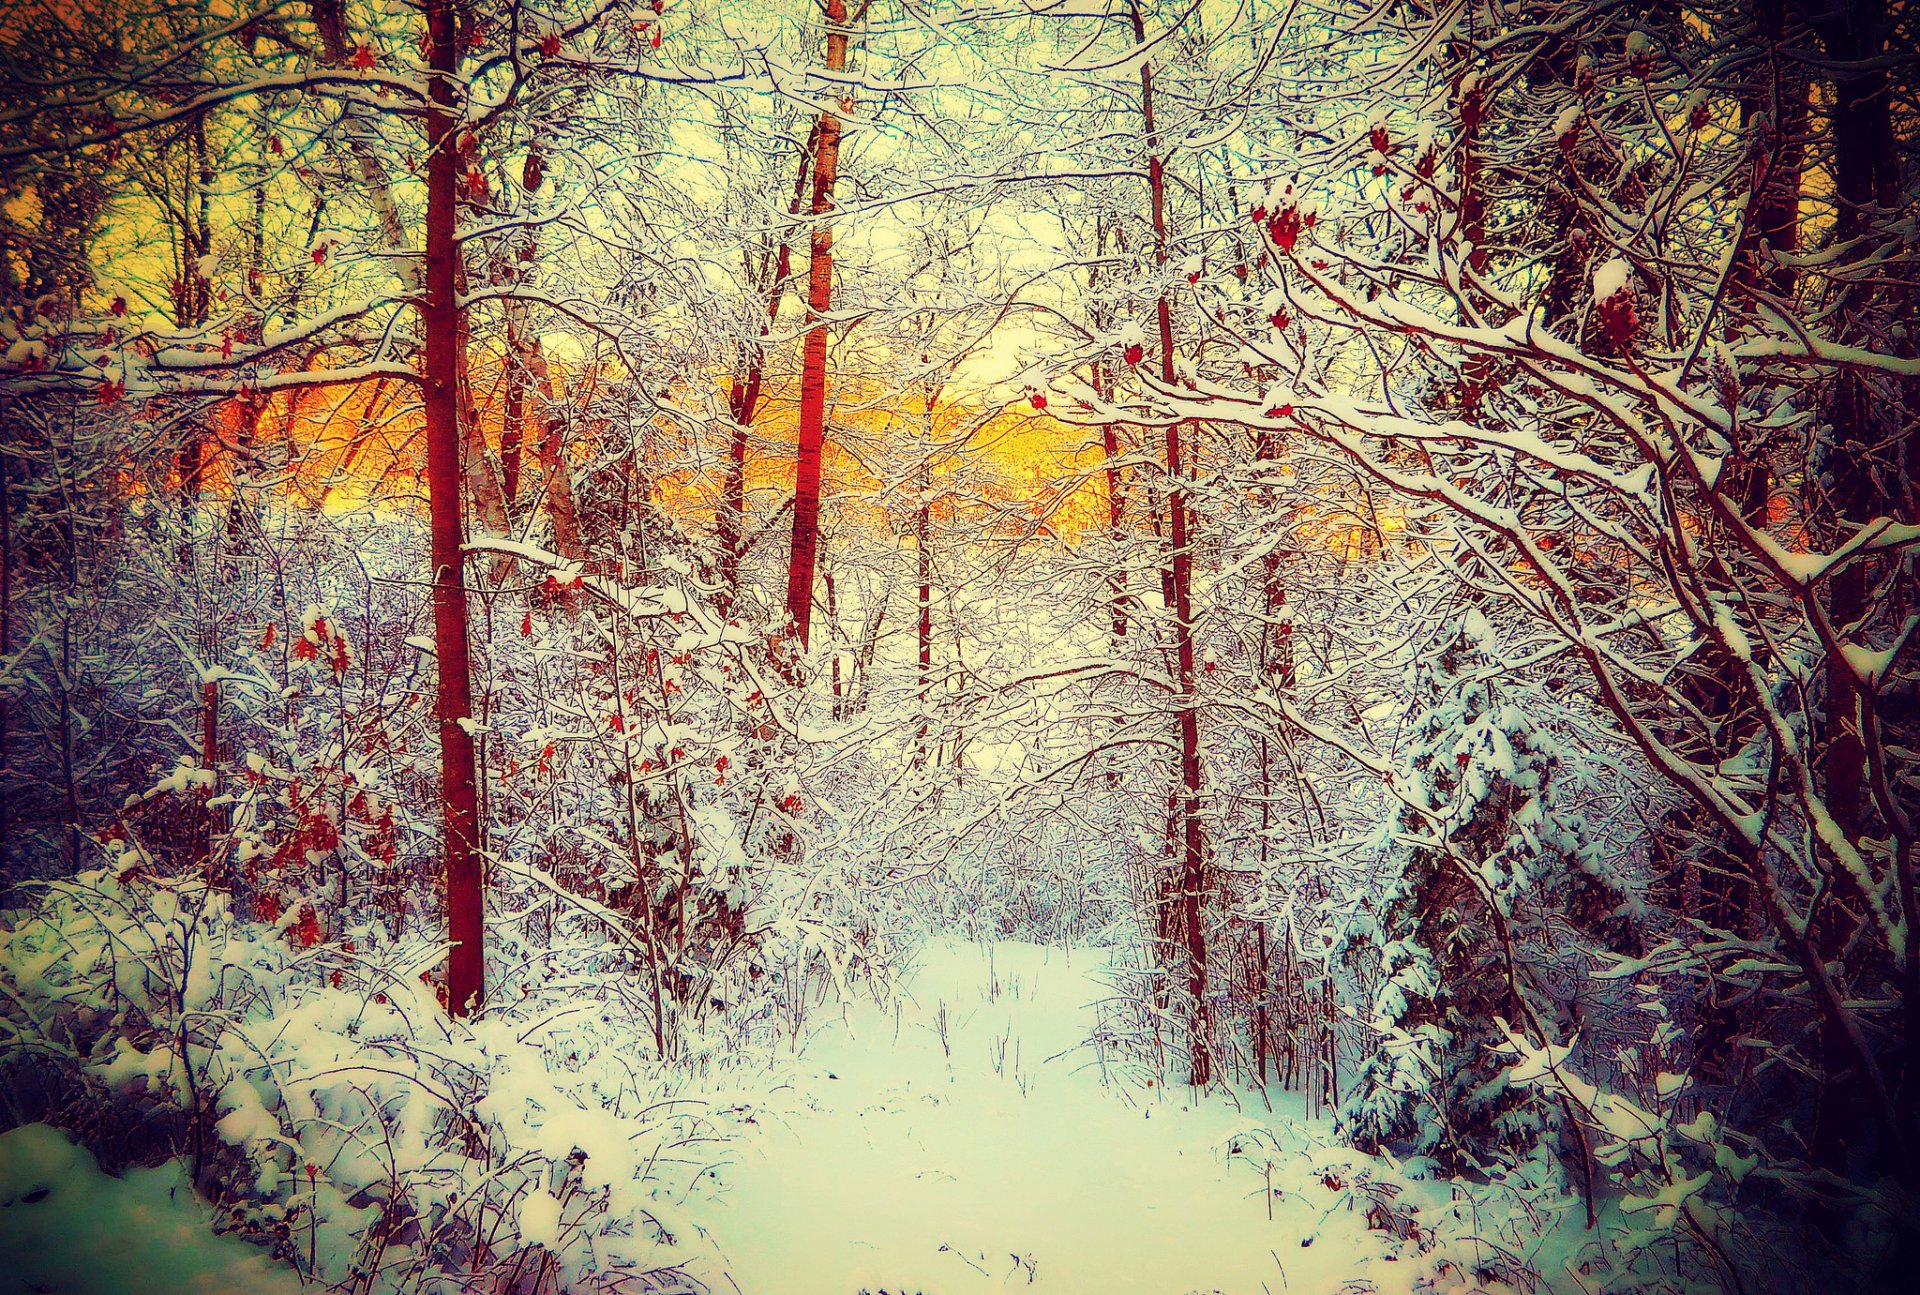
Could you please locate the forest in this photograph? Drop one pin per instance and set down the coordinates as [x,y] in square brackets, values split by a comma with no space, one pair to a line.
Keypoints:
[910,647]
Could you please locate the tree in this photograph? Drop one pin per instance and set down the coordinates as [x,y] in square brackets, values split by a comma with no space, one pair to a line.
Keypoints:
[813,378]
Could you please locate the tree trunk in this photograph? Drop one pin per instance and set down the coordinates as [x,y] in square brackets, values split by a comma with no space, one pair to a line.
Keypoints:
[1116,528]
[194,300]
[1772,234]
[440,327]
[1110,444]
[6,642]
[1477,370]
[1865,171]
[553,459]
[743,402]
[813,374]
[488,499]
[1193,852]
[923,552]
[514,422]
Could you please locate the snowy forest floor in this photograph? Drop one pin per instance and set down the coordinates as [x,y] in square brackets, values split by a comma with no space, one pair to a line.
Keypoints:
[966,1135]
[971,1138]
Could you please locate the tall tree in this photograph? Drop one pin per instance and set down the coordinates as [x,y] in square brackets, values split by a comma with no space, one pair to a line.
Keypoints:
[803,556]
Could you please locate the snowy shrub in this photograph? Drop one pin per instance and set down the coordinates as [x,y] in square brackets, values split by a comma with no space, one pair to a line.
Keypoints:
[1691,1201]
[324,1101]
[1488,854]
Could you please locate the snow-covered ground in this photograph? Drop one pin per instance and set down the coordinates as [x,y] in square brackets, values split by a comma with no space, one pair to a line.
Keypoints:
[965,1141]
[67,1228]
[967,1137]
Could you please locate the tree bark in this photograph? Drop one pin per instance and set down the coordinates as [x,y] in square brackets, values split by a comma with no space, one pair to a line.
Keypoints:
[513,426]
[923,546]
[813,375]
[440,327]
[1193,852]
[743,402]
[553,459]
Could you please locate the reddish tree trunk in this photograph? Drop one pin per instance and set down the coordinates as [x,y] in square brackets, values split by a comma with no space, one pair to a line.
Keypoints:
[1477,371]
[1773,228]
[1116,516]
[513,426]
[210,761]
[1180,582]
[440,325]
[743,402]
[923,545]
[813,374]
[1276,630]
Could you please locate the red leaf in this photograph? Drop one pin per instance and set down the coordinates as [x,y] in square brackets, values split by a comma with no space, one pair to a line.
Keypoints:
[1284,229]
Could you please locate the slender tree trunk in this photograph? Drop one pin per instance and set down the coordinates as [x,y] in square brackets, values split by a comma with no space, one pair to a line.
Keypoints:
[194,299]
[440,326]
[6,636]
[1193,853]
[743,402]
[1476,373]
[1859,464]
[1863,140]
[489,500]
[1276,625]
[1116,526]
[1110,444]
[1777,96]
[813,374]
[1762,266]
[514,424]
[210,761]
[923,546]
[553,459]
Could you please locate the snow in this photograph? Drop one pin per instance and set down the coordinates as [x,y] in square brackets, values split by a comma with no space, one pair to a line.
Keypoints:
[65,1226]
[540,1218]
[965,1141]
[1611,278]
